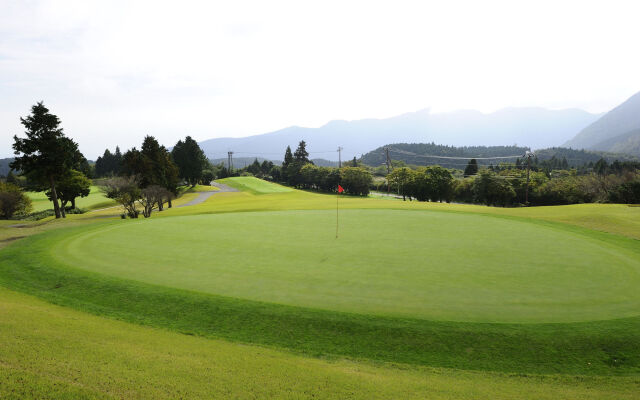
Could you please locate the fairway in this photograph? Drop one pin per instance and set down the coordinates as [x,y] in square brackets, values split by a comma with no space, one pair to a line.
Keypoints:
[422,264]
[96,199]
[254,185]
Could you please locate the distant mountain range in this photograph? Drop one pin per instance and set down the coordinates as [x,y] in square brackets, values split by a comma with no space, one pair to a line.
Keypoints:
[528,127]
[617,131]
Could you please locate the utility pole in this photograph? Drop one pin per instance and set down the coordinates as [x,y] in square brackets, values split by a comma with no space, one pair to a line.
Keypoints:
[230,161]
[339,157]
[528,154]
[388,162]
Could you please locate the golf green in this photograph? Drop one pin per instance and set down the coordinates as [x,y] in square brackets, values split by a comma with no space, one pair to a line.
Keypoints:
[422,264]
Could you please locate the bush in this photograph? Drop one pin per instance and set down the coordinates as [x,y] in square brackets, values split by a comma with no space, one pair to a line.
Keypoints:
[13,201]
[627,193]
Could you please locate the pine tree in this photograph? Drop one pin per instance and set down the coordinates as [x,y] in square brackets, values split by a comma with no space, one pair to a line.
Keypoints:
[472,168]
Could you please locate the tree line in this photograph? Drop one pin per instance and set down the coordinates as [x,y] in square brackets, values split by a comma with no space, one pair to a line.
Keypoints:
[506,184]
[298,171]
[50,162]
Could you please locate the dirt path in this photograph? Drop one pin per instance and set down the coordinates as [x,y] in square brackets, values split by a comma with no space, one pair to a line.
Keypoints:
[203,196]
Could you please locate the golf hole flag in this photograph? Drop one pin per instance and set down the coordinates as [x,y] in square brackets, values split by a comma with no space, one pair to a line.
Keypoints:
[340,190]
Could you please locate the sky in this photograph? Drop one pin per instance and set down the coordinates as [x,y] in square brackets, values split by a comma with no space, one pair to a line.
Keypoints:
[115,71]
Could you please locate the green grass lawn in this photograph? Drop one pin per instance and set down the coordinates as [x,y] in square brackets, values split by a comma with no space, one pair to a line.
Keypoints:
[431,265]
[254,185]
[95,200]
[465,301]
[52,352]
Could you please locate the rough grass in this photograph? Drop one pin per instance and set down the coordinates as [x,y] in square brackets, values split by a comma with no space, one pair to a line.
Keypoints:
[254,185]
[421,264]
[50,352]
[199,188]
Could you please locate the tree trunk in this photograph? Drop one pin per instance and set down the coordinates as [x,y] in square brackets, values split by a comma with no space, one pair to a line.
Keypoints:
[73,203]
[64,204]
[54,197]
[169,201]
[160,205]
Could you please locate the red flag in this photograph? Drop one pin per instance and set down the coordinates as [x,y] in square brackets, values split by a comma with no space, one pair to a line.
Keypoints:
[340,189]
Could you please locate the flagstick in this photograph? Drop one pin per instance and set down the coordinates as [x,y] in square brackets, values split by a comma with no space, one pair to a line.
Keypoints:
[337,197]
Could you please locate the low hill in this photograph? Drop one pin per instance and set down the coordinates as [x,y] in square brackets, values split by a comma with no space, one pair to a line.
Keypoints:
[626,143]
[4,166]
[617,123]
[529,127]
[418,154]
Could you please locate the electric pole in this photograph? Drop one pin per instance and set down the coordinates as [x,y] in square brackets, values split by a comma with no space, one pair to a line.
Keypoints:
[528,154]
[389,167]
[339,157]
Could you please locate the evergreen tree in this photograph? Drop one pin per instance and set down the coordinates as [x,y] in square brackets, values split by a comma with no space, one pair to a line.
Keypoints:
[301,156]
[471,168]
[46,155]
[190,159]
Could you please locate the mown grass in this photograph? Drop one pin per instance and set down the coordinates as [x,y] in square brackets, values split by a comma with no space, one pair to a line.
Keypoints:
[51,352]
[254,185]
[95,200]
[605,347]
[619,219]
[419,264]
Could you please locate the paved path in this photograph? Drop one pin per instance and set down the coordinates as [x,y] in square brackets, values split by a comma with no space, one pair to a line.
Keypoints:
[203,196]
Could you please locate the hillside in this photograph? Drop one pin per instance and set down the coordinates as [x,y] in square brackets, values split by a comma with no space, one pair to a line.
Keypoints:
[416,154]
[4,166]
[528,127]
[602,134]
[626,143]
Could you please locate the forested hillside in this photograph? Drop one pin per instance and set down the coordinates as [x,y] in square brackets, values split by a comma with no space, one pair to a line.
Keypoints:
[419,154]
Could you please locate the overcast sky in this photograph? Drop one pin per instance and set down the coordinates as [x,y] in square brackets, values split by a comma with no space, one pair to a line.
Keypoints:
[116,71]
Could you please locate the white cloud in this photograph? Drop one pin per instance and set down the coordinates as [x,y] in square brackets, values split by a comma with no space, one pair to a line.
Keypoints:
[116,71]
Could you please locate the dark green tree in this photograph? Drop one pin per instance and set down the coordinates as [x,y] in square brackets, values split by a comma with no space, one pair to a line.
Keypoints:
[109,164]
[190,159]
[46,155]
[471,168]
[301,155]
[355,180]
[74,185]
[354,162]
[288,161]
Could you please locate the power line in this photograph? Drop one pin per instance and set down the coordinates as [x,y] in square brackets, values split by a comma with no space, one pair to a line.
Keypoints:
[452,158]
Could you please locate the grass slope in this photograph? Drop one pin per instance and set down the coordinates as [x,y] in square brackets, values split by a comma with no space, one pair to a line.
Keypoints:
[422,264]
[606,347]
[51,352]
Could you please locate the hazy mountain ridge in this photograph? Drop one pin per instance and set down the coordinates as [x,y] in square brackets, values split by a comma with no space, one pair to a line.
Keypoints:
[529,127]
[626,143]
[617,123]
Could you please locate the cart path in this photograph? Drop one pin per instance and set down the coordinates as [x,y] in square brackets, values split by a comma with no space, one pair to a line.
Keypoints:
[203,196]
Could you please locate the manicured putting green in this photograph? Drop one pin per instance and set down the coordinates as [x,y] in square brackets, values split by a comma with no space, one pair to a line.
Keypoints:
[431,265]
